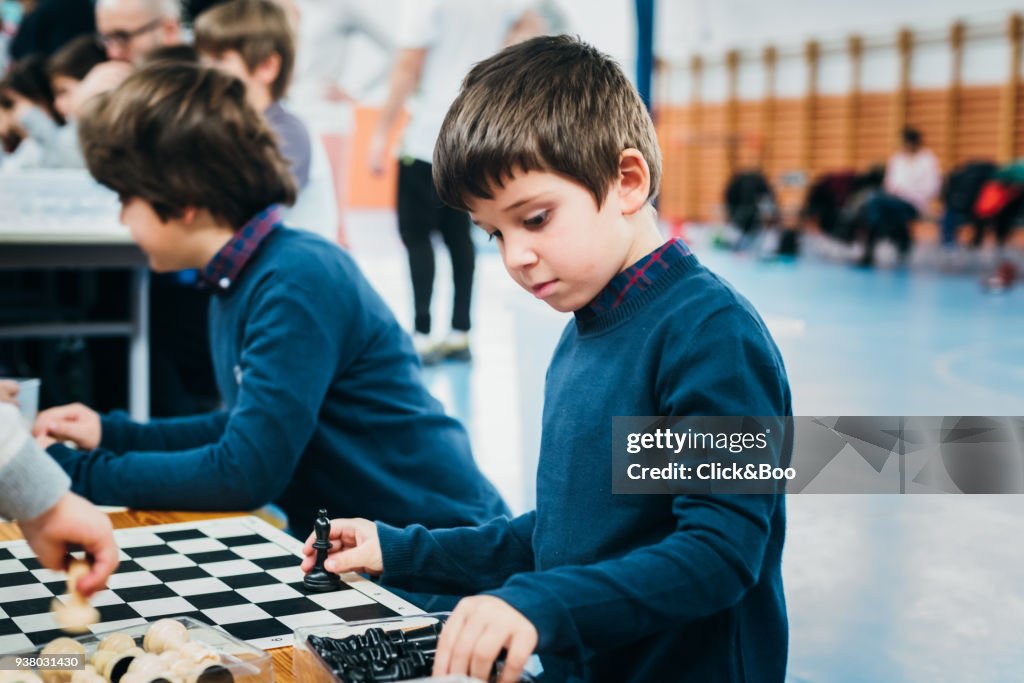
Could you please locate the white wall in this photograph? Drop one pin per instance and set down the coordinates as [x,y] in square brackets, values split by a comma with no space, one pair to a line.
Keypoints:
[712,27]
[610,25]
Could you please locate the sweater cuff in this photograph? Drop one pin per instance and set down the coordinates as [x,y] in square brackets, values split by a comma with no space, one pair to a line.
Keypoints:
[33,483]
[398,552]
[114,431]
[555,629]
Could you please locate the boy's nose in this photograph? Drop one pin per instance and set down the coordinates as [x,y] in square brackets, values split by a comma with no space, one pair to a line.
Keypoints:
[519,254]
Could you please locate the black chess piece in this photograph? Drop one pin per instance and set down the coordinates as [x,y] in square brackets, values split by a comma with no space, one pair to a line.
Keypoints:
[319,580]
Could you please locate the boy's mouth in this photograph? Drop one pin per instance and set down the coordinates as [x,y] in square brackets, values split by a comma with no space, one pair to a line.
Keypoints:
[543,289]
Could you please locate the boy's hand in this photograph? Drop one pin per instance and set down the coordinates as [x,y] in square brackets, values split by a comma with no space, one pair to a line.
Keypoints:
[475,634]
[355,547]
[74,520]
[377,153]
[9,391]
[73,422]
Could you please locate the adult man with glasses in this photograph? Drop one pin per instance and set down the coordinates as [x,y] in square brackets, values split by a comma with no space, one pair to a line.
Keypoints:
[129,29]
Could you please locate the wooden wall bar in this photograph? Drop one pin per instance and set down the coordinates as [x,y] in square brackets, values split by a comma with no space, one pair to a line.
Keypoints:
[704,142]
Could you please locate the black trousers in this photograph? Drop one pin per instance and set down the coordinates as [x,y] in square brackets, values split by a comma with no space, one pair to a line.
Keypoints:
[420,214]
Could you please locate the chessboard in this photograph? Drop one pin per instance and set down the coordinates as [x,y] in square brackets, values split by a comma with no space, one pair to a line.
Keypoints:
[239,574]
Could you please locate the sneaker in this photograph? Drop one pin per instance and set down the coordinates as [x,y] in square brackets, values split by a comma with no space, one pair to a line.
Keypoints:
[455,347]
[427,349]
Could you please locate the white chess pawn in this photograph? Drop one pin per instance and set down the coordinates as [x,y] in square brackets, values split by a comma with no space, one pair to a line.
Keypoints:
[55,648]
[119,663]
[87,675]
[109,647]
[166,634]
[77,615]
[19,676]
[198,653]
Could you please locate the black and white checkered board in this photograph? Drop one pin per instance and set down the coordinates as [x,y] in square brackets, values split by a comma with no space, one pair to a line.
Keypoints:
[240,574]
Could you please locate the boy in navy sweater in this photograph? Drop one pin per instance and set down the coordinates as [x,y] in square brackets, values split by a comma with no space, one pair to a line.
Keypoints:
[551,151]
[324,402]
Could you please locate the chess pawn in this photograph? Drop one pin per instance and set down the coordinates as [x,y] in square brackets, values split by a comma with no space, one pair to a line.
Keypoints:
[77,614]
[19,676]
[55,648]
[148,665]
[166,634]
[198,654]
[211,674]
[132,677]
[118,641]
[87,675]
[118,665]
[110,647]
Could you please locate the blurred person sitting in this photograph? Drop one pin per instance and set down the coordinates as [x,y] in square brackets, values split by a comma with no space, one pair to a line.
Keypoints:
[960,193]
[912,181]
[31,122]
[131,28]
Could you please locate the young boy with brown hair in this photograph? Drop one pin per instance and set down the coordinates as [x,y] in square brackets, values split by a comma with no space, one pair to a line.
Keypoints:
[553,154]
[255,41]
[324,404]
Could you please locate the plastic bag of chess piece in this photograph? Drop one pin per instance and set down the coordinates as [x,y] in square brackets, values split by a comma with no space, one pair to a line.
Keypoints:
[162,652]
[376,652]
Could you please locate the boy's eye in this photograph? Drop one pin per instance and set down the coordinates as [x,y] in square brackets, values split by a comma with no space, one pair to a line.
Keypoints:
[496,235]
[537,220]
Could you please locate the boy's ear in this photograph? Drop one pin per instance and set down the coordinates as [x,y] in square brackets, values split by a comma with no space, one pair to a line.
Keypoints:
[634,184]
[266,72]
[188,216]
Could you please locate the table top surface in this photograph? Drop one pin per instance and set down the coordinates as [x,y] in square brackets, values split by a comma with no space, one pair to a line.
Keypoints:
[135,518]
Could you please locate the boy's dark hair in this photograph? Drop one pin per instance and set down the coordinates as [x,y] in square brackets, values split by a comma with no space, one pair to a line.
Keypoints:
[77,58]
[181,135]
[256,30]
[28,78]
[171,53]
[912,137]
[549,104]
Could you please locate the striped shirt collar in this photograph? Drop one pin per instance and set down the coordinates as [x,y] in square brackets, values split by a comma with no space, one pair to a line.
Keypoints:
[635,280]
[227,264]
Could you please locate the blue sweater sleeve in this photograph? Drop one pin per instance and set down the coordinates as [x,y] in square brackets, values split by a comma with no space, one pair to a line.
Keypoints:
[121,434]
[457,561]
[714,554]
[284,380]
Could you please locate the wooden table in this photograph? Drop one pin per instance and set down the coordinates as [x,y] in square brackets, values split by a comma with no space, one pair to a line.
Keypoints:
[132,518]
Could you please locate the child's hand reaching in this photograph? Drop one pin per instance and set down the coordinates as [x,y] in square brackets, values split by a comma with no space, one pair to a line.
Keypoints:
[355,547]
[478,630]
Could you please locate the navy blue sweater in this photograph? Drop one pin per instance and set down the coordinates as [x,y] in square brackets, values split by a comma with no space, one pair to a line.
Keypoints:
[635,587]
[325,407]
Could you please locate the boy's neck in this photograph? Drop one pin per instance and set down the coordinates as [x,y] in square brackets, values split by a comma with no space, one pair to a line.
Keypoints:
[647,237]
[259,97]
[206,236]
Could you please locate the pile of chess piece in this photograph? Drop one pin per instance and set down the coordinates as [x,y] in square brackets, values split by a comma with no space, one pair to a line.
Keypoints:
[167,655]
[379,656]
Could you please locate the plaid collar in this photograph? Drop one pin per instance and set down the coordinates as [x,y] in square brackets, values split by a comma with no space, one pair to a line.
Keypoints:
[227,264]
[635,280]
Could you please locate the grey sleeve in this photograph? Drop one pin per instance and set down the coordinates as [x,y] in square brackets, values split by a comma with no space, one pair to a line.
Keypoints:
[59,144]
[30,481]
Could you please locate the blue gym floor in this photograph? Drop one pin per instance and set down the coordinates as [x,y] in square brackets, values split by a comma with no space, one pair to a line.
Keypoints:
[880,588]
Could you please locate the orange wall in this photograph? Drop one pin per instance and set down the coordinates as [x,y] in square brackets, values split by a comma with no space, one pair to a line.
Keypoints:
[365,190]
[696,156]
